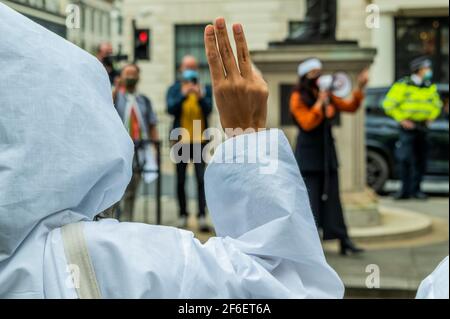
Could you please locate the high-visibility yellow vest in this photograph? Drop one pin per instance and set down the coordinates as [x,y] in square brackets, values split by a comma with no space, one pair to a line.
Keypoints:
[407,101]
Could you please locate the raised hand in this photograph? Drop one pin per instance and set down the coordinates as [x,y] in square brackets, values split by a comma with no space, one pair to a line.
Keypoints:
[363,78]
[240,91]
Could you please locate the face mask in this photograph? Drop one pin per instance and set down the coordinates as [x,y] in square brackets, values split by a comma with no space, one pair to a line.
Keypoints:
[108,61]
[190,76]
[428,76]
[131,83]
[312,82]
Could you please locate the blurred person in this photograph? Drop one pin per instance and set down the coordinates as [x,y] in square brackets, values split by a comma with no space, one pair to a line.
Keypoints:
[413,102]
[435,286]
[104,54]
[136,112]
[188,101]
[313,110]
[53,185]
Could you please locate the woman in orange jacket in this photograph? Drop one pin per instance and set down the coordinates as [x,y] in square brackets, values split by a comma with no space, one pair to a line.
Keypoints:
[313,111]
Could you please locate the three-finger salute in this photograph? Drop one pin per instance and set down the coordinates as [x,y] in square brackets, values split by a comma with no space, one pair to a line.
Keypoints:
[240,91]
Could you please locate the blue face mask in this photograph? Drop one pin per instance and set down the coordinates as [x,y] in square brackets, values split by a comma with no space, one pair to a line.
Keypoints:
[428,76]
[190,76]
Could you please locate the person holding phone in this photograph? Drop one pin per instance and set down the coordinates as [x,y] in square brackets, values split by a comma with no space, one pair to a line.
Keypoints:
[190,103]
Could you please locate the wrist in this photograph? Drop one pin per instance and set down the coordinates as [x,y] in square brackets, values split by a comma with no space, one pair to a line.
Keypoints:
[231,133]
[318,106]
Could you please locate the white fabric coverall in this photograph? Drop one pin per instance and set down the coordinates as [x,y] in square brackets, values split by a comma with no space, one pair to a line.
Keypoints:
[435,286]
[65,157]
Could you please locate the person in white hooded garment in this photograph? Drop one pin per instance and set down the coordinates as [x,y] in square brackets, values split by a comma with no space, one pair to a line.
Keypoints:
[435,286]
[65,157]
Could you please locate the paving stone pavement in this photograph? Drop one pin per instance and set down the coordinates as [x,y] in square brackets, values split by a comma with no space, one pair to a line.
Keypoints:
[403,268]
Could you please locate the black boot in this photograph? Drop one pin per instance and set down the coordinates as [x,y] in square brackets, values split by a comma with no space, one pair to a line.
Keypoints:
[420,196]
[401,196]
[347,246]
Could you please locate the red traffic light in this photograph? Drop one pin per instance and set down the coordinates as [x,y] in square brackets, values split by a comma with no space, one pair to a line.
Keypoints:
[143,36]
[141,44]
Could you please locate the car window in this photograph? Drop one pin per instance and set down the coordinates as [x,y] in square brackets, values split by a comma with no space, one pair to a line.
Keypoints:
[381,98]
[445,109]
[374,99]
[371,100]
[368,101]
[374,103]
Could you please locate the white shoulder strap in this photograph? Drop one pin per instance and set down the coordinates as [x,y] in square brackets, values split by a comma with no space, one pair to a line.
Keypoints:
[77,254]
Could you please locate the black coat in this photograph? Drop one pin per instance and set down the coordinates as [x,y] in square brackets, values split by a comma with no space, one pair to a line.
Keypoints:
[315,148]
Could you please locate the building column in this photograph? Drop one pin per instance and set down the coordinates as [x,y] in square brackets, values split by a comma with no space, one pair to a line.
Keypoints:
[278,64]
[383,38]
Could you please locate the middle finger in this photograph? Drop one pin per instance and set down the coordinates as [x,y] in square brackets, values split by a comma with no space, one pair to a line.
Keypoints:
[226,52]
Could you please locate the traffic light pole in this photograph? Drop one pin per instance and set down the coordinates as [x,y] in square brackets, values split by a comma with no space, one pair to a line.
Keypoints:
[134,28]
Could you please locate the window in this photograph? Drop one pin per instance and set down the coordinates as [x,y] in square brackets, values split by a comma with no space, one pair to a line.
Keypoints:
[422,36]
[120,25]
[189,41]
[108,24]
[83,18]
[52,5]
[100,22]
[59,29]
[35,3]
[93,18]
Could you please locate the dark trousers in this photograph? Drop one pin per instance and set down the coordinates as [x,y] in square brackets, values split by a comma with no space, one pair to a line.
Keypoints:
[181,181]
[411,153]
[328,214]
[129,198]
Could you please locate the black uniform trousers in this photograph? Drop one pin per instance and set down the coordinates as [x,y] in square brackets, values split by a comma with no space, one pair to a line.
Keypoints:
[411,153]
[181,181]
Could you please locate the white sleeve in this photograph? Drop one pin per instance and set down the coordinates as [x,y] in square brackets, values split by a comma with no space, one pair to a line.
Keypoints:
[268,245]
[435,286]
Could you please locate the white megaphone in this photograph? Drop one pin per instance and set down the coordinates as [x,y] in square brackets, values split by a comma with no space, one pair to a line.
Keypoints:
[339,84]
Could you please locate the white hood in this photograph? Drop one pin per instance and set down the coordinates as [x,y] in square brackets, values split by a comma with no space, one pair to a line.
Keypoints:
[64,153]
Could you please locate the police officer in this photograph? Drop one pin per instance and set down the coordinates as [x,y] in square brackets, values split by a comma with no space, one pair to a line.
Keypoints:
[414,102]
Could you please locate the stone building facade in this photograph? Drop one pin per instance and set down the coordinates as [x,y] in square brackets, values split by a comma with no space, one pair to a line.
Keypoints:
[99,20]
[176,29]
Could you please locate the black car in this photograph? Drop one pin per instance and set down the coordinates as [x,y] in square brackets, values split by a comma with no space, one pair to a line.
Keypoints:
[382,134]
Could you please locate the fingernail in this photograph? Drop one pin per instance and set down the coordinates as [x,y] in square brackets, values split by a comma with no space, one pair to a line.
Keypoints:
[209,30]
[237,28]
[220,22]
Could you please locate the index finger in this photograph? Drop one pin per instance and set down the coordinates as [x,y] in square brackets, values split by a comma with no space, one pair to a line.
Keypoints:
[212,53]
